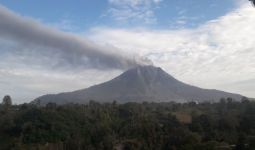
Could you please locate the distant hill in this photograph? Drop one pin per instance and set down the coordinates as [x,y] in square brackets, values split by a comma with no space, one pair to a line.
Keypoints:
[143,83]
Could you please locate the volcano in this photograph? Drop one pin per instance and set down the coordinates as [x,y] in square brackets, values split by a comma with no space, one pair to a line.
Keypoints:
[143,83]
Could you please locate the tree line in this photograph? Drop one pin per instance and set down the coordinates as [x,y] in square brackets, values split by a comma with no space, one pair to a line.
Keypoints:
[227,125]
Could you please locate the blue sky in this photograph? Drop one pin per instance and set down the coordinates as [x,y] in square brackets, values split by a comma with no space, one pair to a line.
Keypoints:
[84,14]
[51,46]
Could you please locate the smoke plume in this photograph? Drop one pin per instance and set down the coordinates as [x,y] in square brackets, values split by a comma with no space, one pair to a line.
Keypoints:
[70,49]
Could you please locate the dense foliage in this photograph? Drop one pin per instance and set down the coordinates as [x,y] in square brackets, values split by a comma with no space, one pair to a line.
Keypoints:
[225,125]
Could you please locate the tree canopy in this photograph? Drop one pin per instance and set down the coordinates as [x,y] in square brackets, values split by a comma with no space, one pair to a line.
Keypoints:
[7,101]
[227,125]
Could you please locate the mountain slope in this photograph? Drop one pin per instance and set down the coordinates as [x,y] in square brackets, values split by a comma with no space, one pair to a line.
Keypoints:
[144,83]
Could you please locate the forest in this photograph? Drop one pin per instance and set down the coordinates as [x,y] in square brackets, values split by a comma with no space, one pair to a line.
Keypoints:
[226,125]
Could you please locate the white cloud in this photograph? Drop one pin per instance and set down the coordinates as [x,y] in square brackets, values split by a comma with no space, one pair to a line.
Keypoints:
[25,84]
[219,54]
[36,59]
[214,55]
[134,10]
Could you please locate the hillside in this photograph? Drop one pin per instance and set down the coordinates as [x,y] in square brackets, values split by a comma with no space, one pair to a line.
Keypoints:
[143,83]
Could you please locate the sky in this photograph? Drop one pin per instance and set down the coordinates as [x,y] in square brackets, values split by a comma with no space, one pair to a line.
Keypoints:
[48,47]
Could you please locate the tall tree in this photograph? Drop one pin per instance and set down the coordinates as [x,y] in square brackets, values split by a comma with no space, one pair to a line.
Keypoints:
[7,101]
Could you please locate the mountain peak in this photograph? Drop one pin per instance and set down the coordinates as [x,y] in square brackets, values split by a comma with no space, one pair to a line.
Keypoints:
[142,83]
[147,74]
[147,70]
[146,67]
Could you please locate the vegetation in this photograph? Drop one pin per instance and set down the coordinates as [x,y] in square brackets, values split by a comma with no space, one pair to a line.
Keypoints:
[227,125]
[7,101]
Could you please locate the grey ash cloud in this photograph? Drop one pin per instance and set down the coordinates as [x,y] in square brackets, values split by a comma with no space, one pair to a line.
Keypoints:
[32,39]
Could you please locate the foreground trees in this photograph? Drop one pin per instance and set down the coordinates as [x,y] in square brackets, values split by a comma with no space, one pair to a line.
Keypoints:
[227,125]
